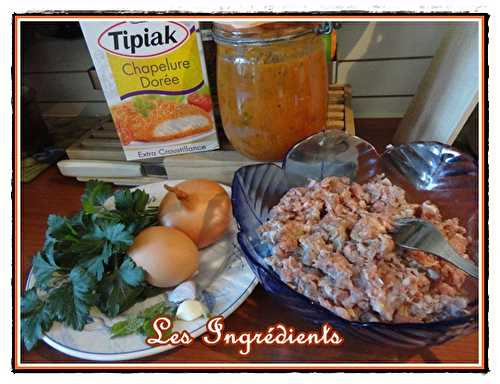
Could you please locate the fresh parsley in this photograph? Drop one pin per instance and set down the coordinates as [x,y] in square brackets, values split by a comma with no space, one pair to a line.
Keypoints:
[84,262]
[142,322]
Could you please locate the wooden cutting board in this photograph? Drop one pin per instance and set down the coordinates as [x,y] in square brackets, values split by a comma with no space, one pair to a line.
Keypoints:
[103,144]
[339,111]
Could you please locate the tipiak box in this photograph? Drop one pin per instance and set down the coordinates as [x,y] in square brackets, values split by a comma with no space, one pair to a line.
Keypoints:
[153,75]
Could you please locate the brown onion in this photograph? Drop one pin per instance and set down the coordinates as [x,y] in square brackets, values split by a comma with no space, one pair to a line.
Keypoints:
[200,208]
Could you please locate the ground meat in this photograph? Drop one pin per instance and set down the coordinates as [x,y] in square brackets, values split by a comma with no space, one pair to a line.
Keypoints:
[331,242]
[312,246]
[430,212]
[336,230]
[369,227]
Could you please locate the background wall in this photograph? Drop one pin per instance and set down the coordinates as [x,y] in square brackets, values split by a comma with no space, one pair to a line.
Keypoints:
[384,63]
[55,63]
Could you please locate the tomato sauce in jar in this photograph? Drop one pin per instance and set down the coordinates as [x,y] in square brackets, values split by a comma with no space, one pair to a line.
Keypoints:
[272,86]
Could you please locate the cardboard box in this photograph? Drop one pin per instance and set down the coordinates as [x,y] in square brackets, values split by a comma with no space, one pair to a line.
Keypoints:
[154,78]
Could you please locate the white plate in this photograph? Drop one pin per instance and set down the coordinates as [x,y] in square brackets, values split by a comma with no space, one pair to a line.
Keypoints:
[229,289]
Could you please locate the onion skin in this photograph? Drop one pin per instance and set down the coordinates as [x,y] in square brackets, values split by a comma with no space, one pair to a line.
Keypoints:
[200,208]
[167,255]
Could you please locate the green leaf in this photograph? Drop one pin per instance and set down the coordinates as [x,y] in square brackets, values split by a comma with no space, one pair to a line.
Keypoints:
[86,246]
[148,330]
[115,234]
[155,310]
[141,200]
[133,211]
[58,229]
[120,289]
[70,303]
[131,273]
[55,223]
[123,199]
[35,319]
[142,322]
[151,313]
[79,219]
[142,221]
[150,291]
[126,200]
[131,325]
[44,269]
[95,195]
[96,265]
[84,262]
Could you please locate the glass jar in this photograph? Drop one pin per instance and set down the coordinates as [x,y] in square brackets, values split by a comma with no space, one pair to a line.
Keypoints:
[272,86]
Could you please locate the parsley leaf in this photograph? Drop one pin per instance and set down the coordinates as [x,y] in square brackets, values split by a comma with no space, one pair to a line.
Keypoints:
[152,313]
[44,268]
[133,209]
[70,302]
[119,290]
[134,201]
[35,318]
[84,262]
[142,322]
[59,229]
[115,234]
[95,266]
[131,325]
[95,195]
[130,273]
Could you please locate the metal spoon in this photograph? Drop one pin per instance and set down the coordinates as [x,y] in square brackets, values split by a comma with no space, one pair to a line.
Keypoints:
[421,235]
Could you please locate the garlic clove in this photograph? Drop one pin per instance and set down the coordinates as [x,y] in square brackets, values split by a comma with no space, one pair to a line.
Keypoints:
[184,291]
[190,310]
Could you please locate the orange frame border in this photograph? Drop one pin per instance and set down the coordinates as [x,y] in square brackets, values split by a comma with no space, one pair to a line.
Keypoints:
[17,366]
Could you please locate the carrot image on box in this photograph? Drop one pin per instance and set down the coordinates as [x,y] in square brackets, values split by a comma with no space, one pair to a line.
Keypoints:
[154,78]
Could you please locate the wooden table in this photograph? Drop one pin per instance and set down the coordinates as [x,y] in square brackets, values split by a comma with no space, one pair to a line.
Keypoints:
[53,193]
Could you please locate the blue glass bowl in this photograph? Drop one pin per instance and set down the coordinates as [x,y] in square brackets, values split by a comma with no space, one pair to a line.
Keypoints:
[426,170]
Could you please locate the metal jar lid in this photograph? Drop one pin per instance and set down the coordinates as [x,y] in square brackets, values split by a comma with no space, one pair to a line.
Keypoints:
[256,33]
